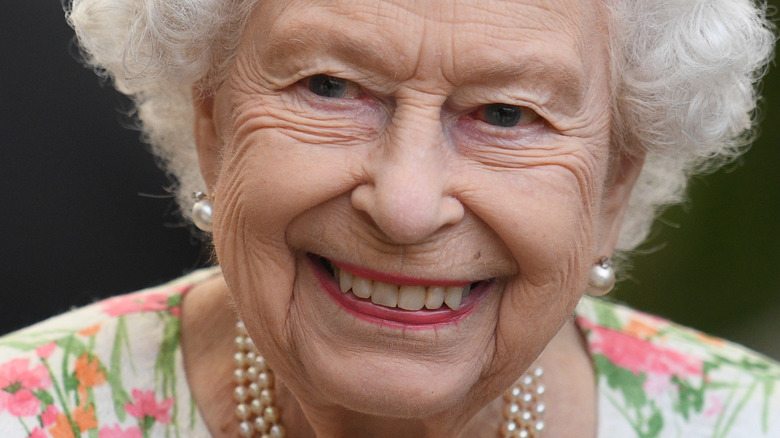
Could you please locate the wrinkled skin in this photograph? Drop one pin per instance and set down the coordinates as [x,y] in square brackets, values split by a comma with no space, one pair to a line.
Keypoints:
[405,174]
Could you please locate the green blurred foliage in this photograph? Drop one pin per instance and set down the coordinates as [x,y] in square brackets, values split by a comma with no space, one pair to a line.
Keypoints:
[714,262]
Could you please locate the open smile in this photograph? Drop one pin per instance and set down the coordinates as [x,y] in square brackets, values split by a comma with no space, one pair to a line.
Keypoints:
[394,300]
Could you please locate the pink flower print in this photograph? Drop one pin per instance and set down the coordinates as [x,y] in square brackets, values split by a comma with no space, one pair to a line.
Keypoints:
[17,381]
[136,302]
[44,351]
[714,408]
[145,405]
[117,432]
[37,433]
[657,384]
[640,356]
[50,415]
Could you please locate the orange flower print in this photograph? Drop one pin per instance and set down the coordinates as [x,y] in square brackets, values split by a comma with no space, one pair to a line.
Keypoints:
[89,372]
[62,428]
[90,331]
[85,418]
[709,340]
[640,329]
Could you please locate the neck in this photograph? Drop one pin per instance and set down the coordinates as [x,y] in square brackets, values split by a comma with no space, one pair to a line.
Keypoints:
[335,422]
[206,326]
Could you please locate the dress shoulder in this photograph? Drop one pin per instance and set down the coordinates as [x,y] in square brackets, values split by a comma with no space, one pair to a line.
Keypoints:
[110,369]
[656,378]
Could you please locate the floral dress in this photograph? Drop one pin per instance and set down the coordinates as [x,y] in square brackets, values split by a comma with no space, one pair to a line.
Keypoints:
[110,370]
[658,379]
[114,370]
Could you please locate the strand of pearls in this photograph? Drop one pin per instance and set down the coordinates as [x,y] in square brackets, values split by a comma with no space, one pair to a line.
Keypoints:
[524,406]
[254,391]
[259,416]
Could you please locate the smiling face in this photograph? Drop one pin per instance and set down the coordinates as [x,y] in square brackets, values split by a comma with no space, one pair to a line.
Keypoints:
[417,153]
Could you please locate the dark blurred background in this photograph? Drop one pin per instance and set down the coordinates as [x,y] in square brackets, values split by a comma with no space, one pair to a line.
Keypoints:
[83,210]
[84,213]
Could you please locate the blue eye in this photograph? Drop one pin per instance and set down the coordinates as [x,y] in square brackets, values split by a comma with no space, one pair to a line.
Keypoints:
[328,86]
[505,115]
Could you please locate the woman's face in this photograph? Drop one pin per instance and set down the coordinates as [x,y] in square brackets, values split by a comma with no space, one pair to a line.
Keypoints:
[429,148]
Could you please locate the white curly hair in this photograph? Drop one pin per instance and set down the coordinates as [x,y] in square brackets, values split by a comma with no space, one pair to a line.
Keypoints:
[684,77]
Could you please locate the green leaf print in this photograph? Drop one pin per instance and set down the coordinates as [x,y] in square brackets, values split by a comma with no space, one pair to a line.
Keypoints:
[174,300]
[655,424]
[26,341]
[44,396]
[70,382]
[60,396]
[690,399]
[769,389]
[623,380]
[71,346]
[114,374]
[165,365]
[606,316]
[722,429]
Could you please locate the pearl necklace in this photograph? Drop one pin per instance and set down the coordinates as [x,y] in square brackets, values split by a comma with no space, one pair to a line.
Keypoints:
[259,417]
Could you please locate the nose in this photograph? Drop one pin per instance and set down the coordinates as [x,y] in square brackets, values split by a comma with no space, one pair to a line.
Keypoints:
[409,196]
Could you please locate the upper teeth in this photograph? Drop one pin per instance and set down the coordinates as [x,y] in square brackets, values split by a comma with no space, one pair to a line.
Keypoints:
[404,297]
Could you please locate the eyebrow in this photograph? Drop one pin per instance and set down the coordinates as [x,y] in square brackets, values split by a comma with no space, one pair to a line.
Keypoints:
[560,82]
[367,53]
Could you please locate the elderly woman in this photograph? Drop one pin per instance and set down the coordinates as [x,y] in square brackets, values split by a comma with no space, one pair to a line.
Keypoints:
[407,201]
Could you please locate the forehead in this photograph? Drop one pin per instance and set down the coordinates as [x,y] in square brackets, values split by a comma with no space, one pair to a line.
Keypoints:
[459,40]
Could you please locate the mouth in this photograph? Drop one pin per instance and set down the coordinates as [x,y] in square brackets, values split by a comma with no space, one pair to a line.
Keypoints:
[396,300]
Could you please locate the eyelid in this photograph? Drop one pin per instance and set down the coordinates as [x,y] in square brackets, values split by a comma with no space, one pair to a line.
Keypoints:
[470,97]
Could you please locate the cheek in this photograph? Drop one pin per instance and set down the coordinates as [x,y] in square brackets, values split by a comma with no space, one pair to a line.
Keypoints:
[548,227]
[267,178]
[544,214]
[280,161]
[257,266]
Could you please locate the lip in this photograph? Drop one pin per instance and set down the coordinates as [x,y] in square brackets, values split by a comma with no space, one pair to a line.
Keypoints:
[394,317]
[399,280]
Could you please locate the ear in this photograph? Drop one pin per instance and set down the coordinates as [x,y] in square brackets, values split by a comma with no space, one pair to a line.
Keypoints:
[207,140]
[621,182]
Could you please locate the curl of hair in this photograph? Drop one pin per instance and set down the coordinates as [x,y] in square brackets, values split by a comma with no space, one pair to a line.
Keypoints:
[684,81]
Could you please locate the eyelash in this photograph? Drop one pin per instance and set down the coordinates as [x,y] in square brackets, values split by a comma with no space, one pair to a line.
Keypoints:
[326,84]
[509,116]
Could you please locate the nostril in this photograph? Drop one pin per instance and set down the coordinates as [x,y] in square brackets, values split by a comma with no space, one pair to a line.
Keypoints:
[407,218]
[451,210]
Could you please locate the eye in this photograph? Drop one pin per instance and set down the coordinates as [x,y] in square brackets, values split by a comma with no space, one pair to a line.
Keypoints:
[332,87]
[505,115]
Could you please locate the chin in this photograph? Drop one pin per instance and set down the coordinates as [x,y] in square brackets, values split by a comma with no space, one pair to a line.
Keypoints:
[377,386]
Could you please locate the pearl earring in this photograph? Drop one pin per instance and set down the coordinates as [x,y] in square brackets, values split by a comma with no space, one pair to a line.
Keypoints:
[202,211]
[602,277]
